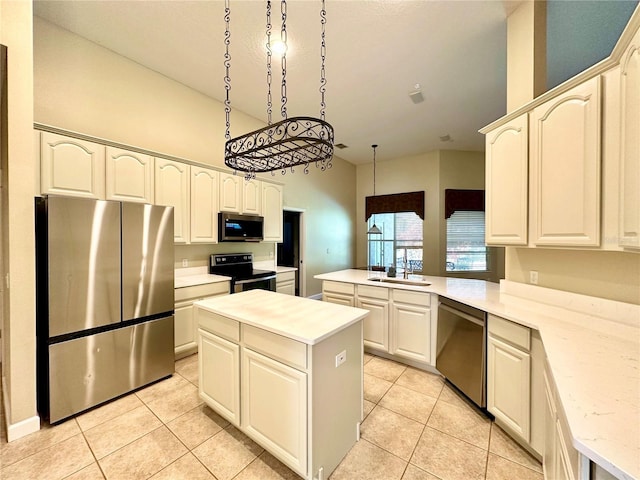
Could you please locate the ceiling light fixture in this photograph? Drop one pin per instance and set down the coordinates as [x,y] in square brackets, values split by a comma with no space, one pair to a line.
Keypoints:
[290,142]
[374,230]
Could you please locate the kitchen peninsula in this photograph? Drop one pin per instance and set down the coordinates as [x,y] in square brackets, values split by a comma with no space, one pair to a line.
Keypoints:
[592,351]
[280,367]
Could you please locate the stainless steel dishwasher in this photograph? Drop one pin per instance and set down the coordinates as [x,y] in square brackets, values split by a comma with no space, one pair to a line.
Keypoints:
[461,348]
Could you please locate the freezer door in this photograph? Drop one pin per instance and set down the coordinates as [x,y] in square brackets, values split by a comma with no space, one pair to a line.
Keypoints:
[83,249]
[147,260]
[87,371]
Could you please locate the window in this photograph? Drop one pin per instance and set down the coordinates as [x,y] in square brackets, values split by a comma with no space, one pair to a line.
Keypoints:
[466,248]
[401,237]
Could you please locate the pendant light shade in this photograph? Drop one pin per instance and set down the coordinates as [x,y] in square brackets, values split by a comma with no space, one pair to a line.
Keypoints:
[374,230]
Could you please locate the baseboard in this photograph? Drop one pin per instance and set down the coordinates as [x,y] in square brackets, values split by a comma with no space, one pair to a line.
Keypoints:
[22,428]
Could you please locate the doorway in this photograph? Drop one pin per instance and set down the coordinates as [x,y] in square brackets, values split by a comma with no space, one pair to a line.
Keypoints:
[290,250]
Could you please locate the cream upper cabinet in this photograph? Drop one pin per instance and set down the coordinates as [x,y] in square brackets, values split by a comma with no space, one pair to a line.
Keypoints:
[565,168]
[230,192]
[172,188]
[629,229]
[252,197]
[272,212]
[507,161]
[204,205]
[69,166]
[129,176]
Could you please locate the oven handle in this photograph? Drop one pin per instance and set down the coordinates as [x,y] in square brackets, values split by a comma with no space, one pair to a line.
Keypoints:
[466,316]
[253,280]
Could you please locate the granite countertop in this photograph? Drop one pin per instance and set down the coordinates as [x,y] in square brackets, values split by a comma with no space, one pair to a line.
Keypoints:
[302,319]
[190,276]
[593,349]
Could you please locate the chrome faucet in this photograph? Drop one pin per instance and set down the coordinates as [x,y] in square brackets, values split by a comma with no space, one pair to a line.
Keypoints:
[406,268]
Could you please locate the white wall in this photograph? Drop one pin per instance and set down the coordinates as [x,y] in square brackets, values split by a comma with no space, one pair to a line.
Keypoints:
[18,245]
[83,87]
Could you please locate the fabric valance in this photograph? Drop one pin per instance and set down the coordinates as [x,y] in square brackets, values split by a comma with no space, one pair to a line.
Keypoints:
[396,202]
[468,200]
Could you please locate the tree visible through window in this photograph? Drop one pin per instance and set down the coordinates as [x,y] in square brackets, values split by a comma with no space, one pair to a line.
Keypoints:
[401,238]
[466,247]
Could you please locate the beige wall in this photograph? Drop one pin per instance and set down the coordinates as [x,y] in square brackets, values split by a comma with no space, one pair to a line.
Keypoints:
[83,87]
[432,172]
[18,325]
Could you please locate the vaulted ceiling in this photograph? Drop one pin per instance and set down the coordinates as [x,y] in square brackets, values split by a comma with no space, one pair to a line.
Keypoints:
[376,54]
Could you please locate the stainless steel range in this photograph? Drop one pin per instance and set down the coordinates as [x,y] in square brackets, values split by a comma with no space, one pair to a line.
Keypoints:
[239,266]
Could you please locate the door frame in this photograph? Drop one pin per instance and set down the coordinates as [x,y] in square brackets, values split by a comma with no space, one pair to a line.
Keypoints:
[302,237]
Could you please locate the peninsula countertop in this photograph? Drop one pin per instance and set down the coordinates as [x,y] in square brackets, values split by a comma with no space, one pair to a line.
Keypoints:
[302,319]
[592,346]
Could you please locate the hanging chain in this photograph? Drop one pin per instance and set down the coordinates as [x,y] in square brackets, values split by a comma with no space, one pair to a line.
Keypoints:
[269,100]
[374,170]
[283,38]
[227,66]
[323,53]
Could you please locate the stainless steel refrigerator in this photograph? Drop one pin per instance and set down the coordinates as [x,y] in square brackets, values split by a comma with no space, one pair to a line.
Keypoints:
[104,300]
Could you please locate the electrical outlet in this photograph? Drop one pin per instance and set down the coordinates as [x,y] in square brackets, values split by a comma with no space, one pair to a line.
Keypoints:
[533,277]
[341,358]
[185,262]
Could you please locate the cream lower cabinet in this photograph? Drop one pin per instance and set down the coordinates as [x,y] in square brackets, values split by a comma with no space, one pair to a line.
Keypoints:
[274,406]
[412,330]
[560,460]
[339,292]
[73,167]
[185,325]
[222,390]
[376,324]
[514,381]
[286,283]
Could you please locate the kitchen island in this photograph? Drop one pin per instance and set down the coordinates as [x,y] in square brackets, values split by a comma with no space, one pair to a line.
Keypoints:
[592,348]
[287,371]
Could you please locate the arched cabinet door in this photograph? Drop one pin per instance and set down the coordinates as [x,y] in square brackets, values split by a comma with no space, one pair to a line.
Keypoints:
[204,201]
[73,167]
[507,163]
[629,227]
[172,188]
[564,195]
[129,176]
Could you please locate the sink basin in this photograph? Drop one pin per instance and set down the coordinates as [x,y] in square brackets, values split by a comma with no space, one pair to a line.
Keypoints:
[416,280]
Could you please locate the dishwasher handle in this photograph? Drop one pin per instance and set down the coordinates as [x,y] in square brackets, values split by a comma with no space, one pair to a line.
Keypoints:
[466,316]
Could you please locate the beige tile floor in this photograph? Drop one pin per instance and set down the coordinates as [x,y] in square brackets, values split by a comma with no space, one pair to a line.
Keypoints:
[416,428]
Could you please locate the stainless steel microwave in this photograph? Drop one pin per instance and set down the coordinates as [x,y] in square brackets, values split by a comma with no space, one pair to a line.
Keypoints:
[234,227]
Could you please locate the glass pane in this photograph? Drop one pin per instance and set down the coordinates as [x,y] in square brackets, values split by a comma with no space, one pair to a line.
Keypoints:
[466,248]
[401,235]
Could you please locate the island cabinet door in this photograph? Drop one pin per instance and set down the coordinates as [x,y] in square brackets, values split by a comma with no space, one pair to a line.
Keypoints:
[219,381]
[274,408]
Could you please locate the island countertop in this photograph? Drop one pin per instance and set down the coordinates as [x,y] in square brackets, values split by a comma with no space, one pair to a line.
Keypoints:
[302,319]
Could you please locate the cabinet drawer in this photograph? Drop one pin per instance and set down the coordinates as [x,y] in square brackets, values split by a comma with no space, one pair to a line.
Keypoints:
[511,332]
[373,292]
[214,323]
[289,351]
[414,298]
[201,291]
[338,287]
[285,276]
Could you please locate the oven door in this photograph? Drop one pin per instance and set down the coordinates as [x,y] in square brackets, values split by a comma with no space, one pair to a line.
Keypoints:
[264,283]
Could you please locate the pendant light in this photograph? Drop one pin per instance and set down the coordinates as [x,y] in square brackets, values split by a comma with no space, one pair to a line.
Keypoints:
[290,142]
[374,230]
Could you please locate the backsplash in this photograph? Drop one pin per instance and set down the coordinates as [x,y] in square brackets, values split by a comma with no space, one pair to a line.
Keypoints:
[197,255]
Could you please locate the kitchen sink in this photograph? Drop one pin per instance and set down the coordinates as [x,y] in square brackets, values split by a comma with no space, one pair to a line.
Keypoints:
[416,280]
